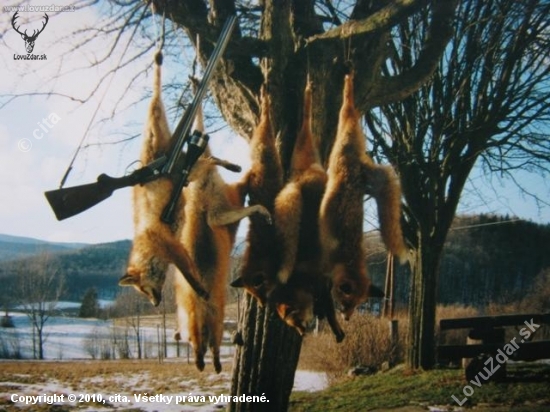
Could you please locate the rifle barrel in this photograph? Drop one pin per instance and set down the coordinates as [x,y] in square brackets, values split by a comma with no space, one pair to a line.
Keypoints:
[184,126]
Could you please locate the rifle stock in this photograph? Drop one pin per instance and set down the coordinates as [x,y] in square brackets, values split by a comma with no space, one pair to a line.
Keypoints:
[71,201]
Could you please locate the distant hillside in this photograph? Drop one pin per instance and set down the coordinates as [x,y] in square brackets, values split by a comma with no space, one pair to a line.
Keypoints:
[14,247]
[98,266]
[486,259]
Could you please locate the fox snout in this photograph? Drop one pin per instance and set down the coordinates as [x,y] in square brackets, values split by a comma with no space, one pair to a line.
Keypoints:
[346,309]
[155,297]
[347,314]
[292,317]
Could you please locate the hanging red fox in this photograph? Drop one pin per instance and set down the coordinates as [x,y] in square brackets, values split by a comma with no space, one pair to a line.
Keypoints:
[212,212]
[303,291]
[262,183]
[155,244]
[351,172]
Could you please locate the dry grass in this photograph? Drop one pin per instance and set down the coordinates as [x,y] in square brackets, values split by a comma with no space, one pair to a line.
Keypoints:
[116,376]
[103,377]
[367,343]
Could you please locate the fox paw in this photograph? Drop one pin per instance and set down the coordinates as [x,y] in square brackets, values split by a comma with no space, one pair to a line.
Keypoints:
[265,213]
[217,365]
[340,335]
[199,363]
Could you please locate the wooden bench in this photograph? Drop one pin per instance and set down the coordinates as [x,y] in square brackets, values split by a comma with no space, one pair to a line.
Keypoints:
[486,339]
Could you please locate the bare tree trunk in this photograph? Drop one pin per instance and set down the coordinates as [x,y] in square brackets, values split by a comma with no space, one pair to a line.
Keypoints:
[138,337]
[40,343]
[33,342]
[265,363]
[164,342]
[389,288]
[422,305]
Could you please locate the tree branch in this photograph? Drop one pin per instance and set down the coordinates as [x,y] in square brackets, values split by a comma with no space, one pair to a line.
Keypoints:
[382,20]
[394,88]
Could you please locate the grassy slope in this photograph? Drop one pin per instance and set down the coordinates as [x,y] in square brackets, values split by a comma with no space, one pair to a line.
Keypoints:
[527,388]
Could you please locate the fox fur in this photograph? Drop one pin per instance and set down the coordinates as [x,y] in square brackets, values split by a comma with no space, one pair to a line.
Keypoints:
[212,212]
[351,172]
[303,291]
[155,244]
[297,205]
[262,184]
[307,295]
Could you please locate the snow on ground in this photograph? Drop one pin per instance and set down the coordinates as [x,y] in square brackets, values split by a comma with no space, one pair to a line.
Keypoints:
[122,399]
[68,338]
[64,305]
[308,381]
[64,337]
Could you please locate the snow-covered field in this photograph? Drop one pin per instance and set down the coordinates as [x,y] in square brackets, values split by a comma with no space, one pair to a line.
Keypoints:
[64,337]
[68,339]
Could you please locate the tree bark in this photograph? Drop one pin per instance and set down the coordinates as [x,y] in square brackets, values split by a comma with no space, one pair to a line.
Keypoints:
[266,361]
[422,303]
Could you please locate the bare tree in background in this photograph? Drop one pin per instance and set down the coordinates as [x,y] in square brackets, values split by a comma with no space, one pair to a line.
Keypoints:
[486,104]
[39,287]
[132,307]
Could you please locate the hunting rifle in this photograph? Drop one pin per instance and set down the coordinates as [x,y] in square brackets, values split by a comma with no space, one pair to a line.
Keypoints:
[70,201]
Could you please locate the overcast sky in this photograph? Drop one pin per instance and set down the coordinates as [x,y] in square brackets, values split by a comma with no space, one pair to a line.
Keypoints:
[38,137]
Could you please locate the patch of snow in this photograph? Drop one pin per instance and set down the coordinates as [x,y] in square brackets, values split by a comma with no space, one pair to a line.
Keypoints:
[104,303]
[309,381]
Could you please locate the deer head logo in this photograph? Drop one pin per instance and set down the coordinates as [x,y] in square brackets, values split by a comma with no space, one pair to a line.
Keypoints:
[29,40]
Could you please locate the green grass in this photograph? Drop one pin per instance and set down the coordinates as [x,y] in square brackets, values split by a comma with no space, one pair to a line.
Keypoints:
[527,388]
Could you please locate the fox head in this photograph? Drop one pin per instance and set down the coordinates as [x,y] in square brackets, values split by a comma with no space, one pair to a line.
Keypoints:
[294,306]
[258,284]
[351,290]
[146,271]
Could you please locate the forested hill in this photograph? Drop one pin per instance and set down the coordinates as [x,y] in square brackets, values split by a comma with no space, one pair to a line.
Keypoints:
[490,259]
[98,266]
[13,247]
[486,259]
